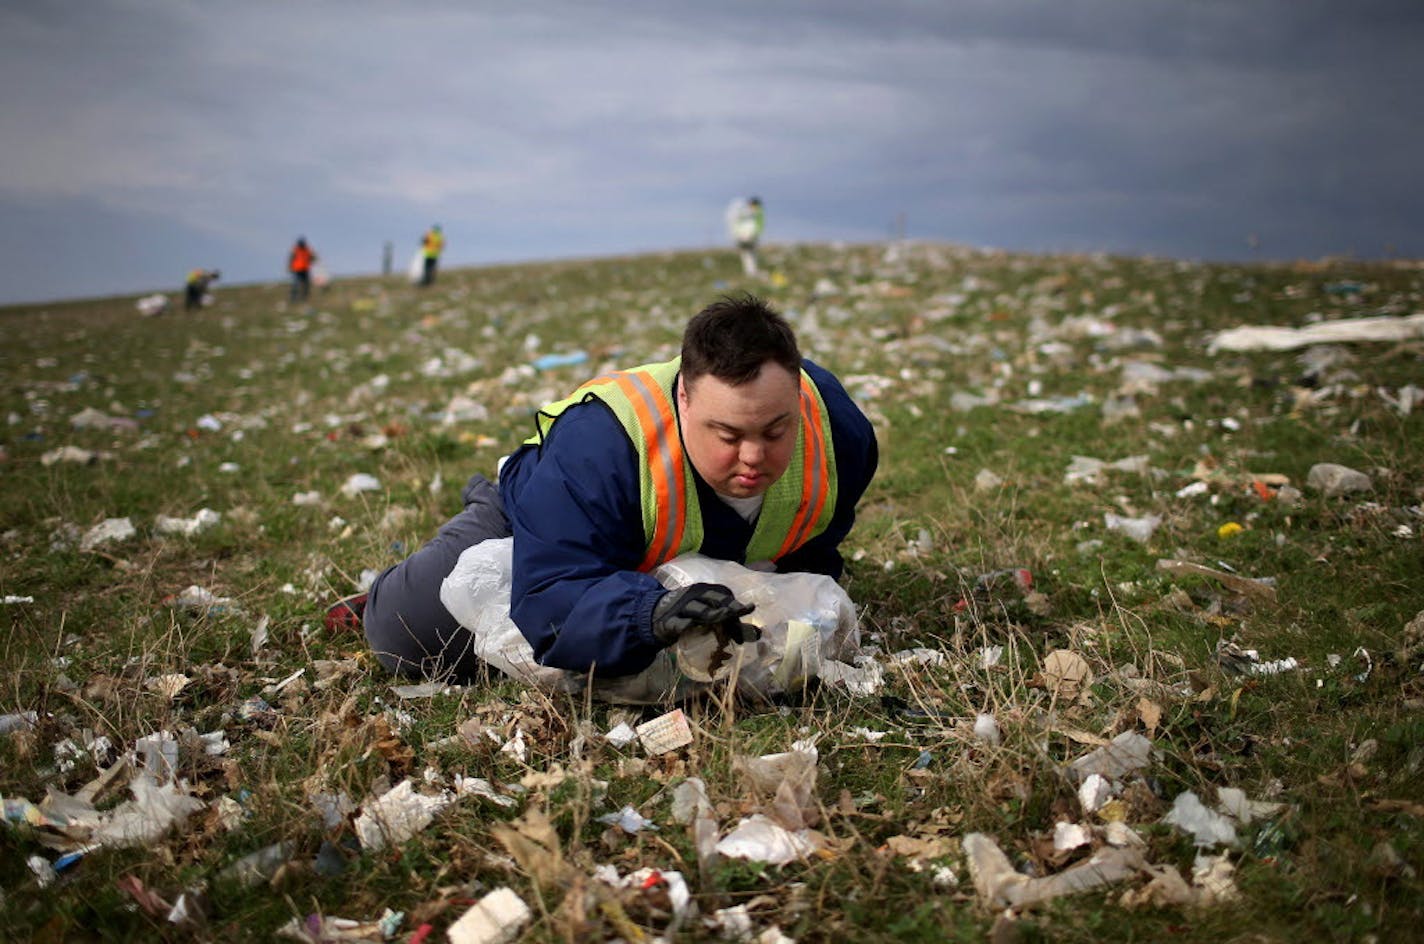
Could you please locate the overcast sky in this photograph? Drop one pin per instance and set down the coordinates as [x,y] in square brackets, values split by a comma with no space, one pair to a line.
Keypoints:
[141,139]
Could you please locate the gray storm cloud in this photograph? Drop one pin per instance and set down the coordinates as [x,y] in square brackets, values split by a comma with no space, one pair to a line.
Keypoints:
[143,139]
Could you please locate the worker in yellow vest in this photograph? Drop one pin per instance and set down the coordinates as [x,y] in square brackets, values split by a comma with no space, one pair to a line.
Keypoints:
[738,449]
[195,289]
[431,245]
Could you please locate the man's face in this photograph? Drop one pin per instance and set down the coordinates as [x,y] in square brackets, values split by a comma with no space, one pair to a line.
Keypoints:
[740,439]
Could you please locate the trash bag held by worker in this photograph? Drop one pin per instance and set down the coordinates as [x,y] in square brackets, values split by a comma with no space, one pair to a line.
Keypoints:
[415,272]
[806,620]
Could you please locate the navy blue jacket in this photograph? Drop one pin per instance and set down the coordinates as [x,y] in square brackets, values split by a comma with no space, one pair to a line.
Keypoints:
[576,511]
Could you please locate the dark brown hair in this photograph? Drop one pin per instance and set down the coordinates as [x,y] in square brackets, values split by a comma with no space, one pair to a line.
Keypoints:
[732,337]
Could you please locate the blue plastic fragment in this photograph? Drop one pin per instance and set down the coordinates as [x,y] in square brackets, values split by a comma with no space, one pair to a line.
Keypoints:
[549,361]
[66,860]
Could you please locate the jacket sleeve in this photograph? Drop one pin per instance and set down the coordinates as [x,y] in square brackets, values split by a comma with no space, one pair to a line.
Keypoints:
[575,509]
[857,455]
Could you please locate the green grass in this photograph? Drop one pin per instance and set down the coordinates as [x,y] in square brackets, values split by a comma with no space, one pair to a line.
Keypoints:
[296,397]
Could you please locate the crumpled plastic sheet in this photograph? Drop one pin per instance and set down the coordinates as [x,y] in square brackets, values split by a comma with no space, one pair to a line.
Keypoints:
[999,886]
[108,531]
[809,629]
[789,778]
[1234,803]
[1089,470]
[761,839]
[689,800]
[1052,404]
[1138,529]
[202,521]
[154,810]
[1206,827]
[360,482]
[629,820]
[396,816]
[1272,338]
[1127,753]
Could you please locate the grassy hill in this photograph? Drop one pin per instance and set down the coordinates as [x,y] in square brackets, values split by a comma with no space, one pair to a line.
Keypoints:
[985,373]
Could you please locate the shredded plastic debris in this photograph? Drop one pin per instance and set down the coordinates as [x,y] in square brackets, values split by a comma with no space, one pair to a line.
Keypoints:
[205,518]
[396,816]
[999,886]
[1238,661]
[108,531]
[360,482]
[1138,529]
[1206,827]
[1336,480]
[1094,792]
[629,820]
[1127,753]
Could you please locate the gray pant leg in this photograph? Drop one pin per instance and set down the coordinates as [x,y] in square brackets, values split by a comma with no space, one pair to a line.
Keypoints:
[407,626]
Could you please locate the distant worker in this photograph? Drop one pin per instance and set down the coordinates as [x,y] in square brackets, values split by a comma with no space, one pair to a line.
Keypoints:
[197,288]
[388,251]
[300,263]
[431,246]
[745,220]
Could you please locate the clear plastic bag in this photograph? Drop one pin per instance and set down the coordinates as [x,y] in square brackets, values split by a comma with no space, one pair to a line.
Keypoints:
[807,621]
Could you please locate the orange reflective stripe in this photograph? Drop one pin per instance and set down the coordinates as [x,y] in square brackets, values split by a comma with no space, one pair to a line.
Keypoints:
[672,502]
[664,451]
[650,439]
[813,474]
[601,378]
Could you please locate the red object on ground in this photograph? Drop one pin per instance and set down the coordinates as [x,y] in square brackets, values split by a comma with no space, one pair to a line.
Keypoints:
[346,613]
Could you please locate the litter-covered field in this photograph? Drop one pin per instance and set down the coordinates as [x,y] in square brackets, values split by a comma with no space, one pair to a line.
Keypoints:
[1140,599]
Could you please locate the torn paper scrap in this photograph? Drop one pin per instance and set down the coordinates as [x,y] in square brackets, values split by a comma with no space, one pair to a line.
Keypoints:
[495,919]
[665,733]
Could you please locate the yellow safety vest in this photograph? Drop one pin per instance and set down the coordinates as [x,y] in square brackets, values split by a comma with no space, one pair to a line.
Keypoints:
[796,507]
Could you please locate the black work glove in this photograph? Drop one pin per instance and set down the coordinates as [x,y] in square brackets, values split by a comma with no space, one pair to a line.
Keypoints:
[708,605]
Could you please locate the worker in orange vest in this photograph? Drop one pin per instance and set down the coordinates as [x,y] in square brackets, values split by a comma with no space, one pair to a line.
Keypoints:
[299,263]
